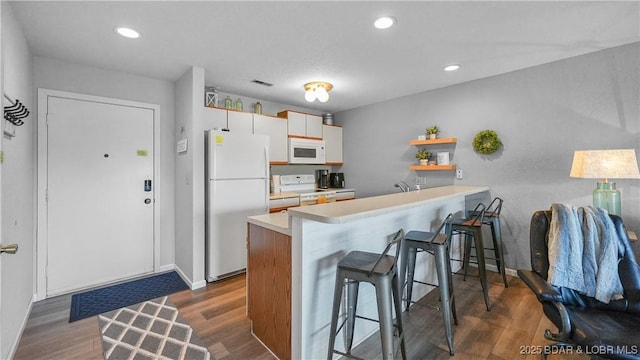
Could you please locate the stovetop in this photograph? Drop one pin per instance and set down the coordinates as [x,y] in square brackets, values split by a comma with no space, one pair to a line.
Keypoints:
[305,185]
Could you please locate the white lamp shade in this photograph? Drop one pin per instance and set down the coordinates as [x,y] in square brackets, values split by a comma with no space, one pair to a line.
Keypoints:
[310,95]
[605,164]
[322,94]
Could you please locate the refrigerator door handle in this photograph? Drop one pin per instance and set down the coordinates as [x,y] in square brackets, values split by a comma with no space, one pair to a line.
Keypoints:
[266,198]
[266,162]
[266,176]
[211,155]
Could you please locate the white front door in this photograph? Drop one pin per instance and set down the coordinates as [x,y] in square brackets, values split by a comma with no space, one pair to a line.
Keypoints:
[2,329]
[100,193]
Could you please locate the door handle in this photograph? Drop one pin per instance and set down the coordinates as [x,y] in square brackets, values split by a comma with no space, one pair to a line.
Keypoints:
[9,249]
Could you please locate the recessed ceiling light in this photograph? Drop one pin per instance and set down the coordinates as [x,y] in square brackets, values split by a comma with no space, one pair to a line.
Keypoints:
[452,67]
[384,22]
[127,32]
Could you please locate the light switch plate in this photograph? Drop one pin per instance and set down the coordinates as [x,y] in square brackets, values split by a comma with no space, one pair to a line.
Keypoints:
[181,147]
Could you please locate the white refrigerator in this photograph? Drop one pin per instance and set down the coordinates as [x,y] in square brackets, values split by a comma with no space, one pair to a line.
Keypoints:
[237,186]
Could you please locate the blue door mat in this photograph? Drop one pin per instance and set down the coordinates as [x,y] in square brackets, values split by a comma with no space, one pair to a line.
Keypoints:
[99,301]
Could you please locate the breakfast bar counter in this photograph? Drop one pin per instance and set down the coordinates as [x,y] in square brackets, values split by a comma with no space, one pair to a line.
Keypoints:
[339,213]
[293,257]
[278,222]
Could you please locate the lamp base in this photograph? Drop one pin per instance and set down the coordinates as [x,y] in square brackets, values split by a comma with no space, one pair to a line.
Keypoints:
[607,197]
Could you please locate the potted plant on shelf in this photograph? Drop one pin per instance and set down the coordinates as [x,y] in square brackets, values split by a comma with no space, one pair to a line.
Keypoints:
[433,131]
[423,156]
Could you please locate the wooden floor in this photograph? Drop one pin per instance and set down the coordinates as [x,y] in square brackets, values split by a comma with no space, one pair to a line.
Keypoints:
[218,315]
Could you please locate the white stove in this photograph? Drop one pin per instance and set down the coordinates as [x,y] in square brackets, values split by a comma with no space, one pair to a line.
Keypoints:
[305,185]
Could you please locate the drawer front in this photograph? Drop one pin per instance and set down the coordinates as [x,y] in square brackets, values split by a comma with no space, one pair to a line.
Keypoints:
[276,205]
[347,195]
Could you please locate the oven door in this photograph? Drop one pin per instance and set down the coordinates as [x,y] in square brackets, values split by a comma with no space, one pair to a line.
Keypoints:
[320,197]
[304,151]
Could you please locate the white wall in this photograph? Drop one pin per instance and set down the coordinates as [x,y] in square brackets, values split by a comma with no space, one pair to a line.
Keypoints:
[268,107]
[18,186]
[190,176]
[190,238]
[59,75]
[542,114]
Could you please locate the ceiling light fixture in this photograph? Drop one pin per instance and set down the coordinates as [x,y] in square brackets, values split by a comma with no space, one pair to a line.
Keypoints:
[126,32]
[452,67]
[317,90]
[384,22]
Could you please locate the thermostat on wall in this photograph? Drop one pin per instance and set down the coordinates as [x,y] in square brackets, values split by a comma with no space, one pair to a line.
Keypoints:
[181,147]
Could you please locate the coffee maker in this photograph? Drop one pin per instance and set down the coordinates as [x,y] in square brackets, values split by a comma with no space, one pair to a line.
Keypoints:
[322,178]
[336,180]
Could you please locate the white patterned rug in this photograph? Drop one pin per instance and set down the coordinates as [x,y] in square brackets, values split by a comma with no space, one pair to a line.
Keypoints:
[152,329]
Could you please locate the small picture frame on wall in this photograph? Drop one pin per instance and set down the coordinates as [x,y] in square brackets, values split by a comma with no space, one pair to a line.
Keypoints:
[210,97]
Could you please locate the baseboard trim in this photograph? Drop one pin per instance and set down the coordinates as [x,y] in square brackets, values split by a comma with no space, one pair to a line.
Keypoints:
[192,285]
[23,326]
[166,268]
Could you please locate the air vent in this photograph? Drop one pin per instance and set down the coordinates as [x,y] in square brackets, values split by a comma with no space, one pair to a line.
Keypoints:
[260,82]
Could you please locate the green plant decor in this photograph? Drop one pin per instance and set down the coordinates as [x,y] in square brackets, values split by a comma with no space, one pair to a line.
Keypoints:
[433,130]
[486,142]
[422,154]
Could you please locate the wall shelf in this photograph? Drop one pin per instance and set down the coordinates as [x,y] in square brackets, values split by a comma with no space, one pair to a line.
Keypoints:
[432,167]
[451,140]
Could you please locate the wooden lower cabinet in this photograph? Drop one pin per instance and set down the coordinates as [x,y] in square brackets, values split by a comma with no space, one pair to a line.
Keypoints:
[269,288]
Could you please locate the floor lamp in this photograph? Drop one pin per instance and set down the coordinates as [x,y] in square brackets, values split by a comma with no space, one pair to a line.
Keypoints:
[604,165]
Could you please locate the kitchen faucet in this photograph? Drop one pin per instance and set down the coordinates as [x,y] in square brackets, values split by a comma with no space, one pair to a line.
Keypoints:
[403,186]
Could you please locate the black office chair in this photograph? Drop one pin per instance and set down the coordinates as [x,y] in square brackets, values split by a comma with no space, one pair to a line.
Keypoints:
[607,330]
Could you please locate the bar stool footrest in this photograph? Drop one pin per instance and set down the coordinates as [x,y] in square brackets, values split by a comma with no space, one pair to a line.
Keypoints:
[347,355]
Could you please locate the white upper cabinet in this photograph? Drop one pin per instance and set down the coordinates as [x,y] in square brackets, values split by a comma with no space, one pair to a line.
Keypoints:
[276,128]
[214,118]
[303,125]
[240,122]
[333,144]
[314,126]
[296,123]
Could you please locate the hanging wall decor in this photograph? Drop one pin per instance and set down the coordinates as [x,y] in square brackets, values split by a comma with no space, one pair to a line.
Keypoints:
[486,142]
[15,112]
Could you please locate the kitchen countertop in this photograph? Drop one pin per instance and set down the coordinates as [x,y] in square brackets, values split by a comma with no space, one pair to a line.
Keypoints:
[341,189]
[283,195]
[278,222]
[345,211]
[342,212]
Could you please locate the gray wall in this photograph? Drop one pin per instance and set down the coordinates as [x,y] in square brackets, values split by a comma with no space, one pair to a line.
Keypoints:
[18,186]
[542,114]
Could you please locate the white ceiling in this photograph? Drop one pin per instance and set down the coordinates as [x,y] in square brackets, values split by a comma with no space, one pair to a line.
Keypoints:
[290,43]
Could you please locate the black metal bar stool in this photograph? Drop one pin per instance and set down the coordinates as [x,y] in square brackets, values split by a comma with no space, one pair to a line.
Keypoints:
[380,270]
[472,227]
[436,244]
[492,218]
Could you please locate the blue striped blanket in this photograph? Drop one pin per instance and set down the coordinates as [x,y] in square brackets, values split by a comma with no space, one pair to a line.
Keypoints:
[584,249]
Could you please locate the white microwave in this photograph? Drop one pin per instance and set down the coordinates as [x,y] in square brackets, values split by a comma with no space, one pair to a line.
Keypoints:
[306,151]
